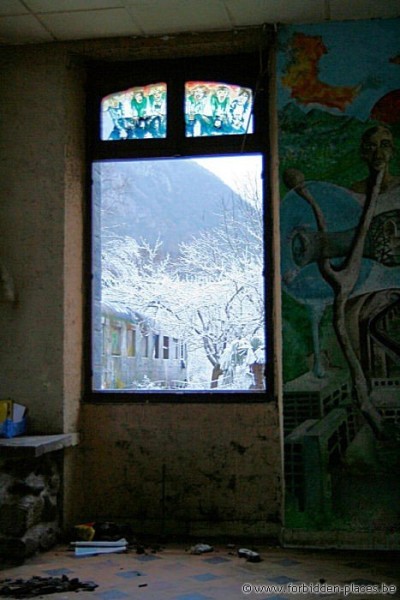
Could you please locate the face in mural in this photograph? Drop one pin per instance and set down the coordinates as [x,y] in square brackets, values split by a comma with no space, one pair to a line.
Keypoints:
[377,148]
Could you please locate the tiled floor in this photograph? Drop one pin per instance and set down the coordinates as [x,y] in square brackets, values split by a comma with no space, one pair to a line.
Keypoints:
[173,573]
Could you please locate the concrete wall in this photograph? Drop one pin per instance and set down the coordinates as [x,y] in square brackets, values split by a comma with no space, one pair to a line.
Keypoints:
[41,236]
[184,469]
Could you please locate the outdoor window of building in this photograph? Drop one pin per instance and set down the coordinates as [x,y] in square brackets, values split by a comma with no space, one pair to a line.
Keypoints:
[156,345]
[131,341]
[115,339]
[145,346]
[165,347]
[180,226]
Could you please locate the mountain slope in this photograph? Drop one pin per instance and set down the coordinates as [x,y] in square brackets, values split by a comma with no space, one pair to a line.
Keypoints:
[168,199]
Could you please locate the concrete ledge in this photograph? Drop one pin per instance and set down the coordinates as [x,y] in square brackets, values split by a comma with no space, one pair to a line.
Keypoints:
[28,446]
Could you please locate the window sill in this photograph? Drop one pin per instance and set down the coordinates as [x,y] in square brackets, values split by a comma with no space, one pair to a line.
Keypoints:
[32,446]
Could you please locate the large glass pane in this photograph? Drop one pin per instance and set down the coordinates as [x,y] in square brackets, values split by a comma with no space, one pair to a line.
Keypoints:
[178,258]
[213,108]
[135,113]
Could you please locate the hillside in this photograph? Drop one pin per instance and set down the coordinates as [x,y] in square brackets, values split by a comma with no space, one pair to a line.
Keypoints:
[168,199]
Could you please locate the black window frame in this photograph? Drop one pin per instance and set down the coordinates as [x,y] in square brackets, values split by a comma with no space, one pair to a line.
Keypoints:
[248,70]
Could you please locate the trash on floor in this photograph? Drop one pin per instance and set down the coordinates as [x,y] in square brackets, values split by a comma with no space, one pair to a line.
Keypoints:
[109,531]
[91,548]
[40,586]
[201,549]
[249,555]
[105,531]
[84,532]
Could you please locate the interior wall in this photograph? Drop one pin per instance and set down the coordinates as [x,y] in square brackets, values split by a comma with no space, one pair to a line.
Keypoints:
[184,469]
[338,110]
[34,244]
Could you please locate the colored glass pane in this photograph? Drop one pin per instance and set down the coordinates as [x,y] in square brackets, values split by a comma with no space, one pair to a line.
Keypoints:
[135,113]
[215,108]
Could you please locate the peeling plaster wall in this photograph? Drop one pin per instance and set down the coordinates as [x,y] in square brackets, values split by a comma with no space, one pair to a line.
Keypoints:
[41,202]
[32,219]
[42,176]
[183,469]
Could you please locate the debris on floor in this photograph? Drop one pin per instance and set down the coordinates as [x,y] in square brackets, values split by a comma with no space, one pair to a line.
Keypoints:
[201,549]
[93,548]
[101,531]
[40,586]
[90,539]
[249,555]
[85,532]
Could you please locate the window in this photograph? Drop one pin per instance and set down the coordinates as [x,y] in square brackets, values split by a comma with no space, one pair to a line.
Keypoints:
[115,339]
[135,113]
[179,242]
[145,346]
[131,341]
[156,345]
[175,345]
[165,347]
[104,344]
[217,108]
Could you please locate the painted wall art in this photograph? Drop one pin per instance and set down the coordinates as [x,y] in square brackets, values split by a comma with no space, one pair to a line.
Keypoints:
[339,146]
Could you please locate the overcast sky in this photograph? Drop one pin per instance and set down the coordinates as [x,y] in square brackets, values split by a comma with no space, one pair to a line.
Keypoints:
[233,170]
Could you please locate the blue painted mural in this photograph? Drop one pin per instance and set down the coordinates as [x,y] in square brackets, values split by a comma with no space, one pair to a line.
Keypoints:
[339,142]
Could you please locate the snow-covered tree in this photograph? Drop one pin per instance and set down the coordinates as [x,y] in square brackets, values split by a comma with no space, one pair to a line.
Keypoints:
[212,295]
[227,302]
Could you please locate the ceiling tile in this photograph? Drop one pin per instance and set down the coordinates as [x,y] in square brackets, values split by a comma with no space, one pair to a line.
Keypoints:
[255,12]
[169,16]
[25,29]
[44,6]
[85,19]
[12,7]
[90,24]
[363,9]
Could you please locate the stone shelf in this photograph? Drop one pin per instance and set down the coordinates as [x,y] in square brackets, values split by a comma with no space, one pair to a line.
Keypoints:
[32,446]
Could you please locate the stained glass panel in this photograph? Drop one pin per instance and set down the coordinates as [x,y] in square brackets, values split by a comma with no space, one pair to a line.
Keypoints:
[216,108]
[135,113]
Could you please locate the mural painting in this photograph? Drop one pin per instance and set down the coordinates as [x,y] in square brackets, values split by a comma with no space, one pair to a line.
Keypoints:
[339,118]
